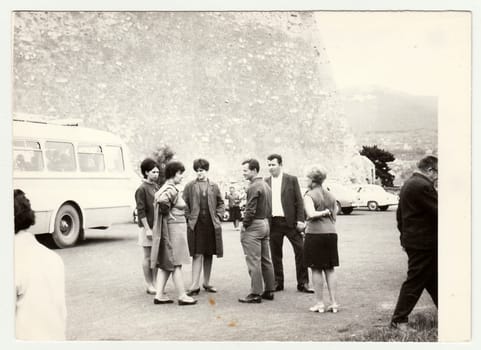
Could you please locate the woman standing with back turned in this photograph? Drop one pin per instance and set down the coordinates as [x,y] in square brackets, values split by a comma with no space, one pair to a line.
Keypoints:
[320,246]
[169,242]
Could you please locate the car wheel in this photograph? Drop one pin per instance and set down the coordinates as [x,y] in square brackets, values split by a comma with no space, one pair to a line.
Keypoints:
[347,210]
[338,208]
[372,205]
[226,216]
[383,207]
[67,226]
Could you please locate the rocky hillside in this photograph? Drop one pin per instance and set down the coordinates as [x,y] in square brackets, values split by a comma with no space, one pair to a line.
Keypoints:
[225,86]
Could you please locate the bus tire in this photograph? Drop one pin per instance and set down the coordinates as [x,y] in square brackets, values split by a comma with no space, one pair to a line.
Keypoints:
[67,226]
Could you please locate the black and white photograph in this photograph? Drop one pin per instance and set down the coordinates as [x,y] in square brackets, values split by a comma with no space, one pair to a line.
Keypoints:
[239,175]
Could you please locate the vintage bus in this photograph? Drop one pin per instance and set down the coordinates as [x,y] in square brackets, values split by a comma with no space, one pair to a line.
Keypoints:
[75,178]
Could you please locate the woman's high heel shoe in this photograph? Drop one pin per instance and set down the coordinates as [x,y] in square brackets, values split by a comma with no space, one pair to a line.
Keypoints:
[319,307]
[209,289]
[187,301]
[192,292]
[333,308]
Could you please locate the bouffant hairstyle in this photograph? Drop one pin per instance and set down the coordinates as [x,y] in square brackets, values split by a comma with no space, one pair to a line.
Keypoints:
[147,165]
[429,162]
[317,176]
[275,156]
[201,164]
[253,164]
[172,168]
[24,215]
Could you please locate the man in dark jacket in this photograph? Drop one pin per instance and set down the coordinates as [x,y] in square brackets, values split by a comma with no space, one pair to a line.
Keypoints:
[287,220]
[417,220]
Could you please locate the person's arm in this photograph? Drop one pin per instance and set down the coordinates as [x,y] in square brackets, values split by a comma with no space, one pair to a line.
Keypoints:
[311,212]
[251,206]
[140,202]
[298,201]
[220,206]
[186,197]
[165,199]
[399,218]
[429,199]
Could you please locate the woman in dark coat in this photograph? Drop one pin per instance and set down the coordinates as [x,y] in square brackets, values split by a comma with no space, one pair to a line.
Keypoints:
[204,210]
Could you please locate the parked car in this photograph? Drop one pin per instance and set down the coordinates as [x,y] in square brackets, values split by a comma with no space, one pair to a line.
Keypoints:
[345,196]
[374,197]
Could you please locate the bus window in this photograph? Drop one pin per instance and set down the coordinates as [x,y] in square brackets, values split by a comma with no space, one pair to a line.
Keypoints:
[91,158]
[60,156]
[27,156]
[114,159]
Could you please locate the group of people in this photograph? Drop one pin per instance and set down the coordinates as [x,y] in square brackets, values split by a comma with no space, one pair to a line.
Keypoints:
[177,227]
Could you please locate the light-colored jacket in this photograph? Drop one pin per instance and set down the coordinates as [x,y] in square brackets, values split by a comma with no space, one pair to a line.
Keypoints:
[162,251]
[41,310]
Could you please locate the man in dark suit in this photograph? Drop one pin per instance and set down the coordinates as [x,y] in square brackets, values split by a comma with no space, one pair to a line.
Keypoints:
[417,220]
[287,220]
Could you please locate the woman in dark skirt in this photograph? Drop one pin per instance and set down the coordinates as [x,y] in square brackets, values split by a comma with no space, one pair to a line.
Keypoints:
[204,211]
[320,245]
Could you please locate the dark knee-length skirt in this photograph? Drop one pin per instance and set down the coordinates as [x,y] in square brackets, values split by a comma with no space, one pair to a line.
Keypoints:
[235,213]
[204,236]
[320,250]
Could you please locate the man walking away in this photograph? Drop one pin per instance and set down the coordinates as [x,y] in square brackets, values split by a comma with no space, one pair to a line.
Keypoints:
[417,220]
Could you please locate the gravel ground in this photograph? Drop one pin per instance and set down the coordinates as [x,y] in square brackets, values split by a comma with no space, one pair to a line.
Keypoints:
[106,298]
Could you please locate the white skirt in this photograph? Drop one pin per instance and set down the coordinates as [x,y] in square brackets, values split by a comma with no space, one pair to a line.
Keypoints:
[143,239]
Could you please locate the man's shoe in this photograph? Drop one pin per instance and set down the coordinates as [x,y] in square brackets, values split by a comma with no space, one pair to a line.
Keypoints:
[251,298]
[303,289]
[163,301]
[267,295]
[279,288]
[402,326]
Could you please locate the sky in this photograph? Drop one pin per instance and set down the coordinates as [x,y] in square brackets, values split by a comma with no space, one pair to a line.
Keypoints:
[405,51]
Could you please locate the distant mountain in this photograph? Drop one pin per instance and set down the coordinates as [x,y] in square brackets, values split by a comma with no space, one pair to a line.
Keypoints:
[381,109]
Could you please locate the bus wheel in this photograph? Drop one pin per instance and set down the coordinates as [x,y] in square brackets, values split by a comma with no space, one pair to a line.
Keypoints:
[67,226]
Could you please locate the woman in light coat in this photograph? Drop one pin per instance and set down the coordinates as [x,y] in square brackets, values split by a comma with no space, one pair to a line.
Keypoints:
[169,243]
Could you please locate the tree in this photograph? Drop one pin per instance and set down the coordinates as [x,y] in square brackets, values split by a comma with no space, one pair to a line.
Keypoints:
[380,158]
[162,155]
